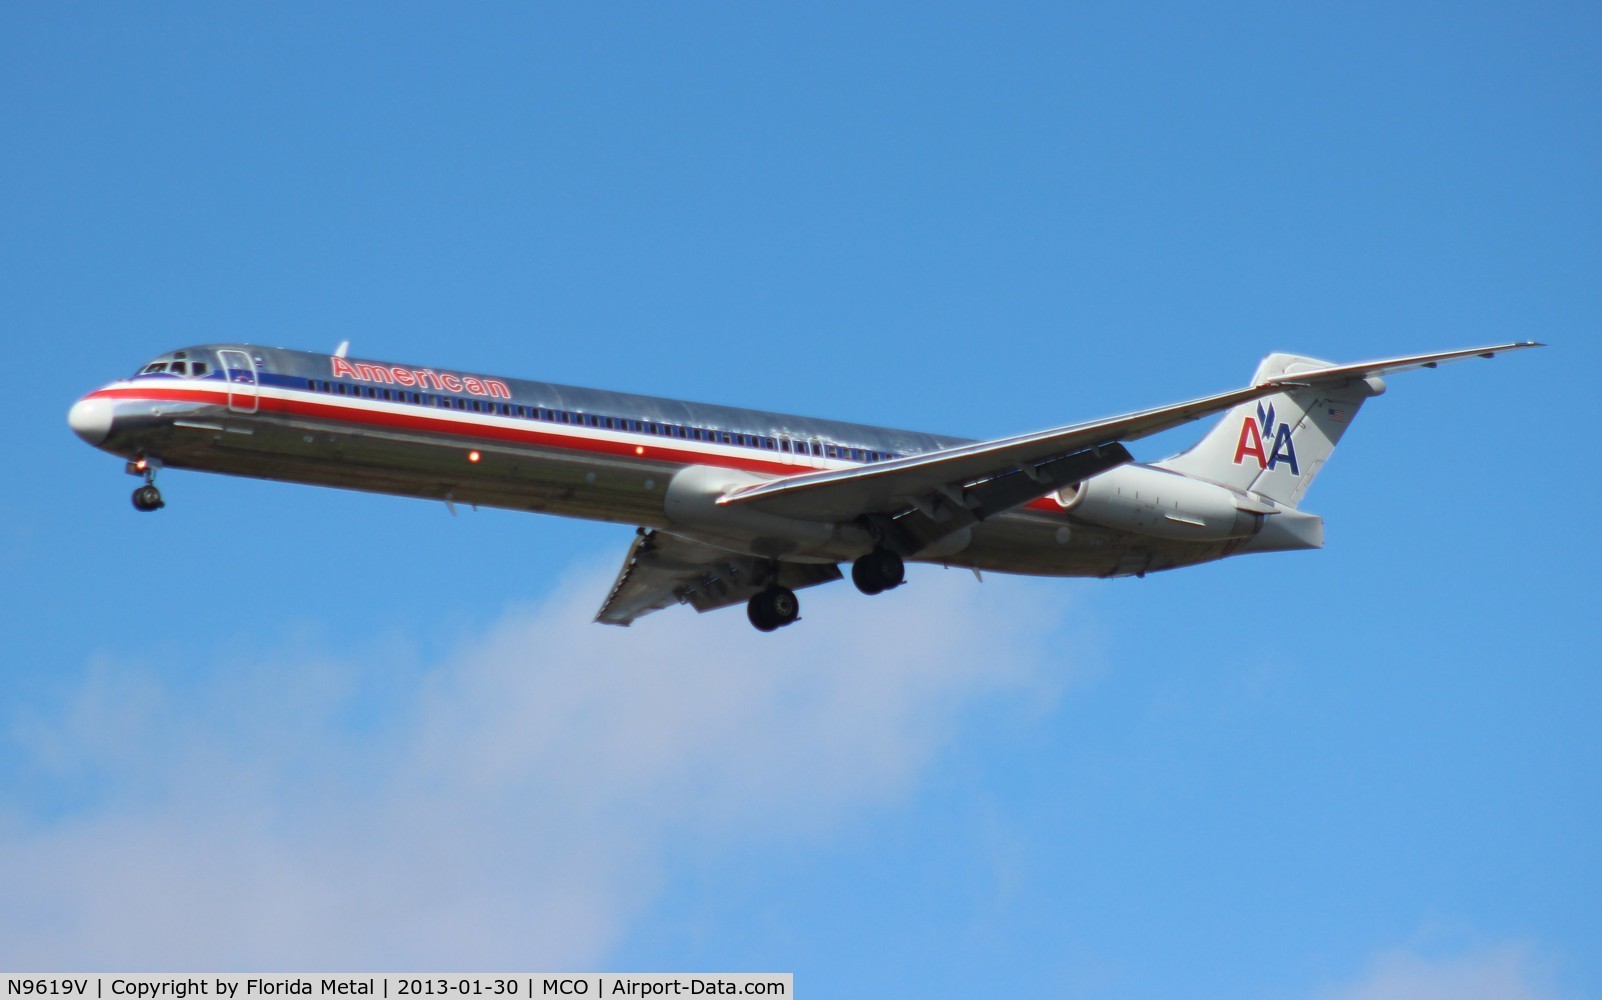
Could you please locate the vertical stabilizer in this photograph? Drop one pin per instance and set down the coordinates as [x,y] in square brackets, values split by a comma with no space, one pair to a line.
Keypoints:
[1273,447]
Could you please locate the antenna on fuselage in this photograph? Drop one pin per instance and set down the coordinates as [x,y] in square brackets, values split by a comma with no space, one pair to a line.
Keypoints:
[342,349]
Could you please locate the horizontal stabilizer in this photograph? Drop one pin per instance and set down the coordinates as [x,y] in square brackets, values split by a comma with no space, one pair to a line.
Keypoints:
[1274,447]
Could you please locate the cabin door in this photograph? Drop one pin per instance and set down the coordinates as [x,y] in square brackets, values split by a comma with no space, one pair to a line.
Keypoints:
[241,375]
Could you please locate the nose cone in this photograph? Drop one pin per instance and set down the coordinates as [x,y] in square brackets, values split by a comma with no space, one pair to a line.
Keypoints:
[90,419]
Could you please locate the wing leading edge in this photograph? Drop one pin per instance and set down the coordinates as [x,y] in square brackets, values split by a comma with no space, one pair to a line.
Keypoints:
[929,479]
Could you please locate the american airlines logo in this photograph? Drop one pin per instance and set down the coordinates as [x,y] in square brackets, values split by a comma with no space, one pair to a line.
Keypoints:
[422,378]
[1255,436]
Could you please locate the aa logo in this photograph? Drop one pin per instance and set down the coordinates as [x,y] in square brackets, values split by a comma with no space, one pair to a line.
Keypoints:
[1255,436]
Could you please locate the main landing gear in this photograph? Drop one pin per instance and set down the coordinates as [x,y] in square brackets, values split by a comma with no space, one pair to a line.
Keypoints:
[878,571]
[874,573]
[773,608]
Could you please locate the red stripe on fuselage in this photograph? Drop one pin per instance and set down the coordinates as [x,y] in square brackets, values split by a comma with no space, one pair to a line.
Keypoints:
[468,428]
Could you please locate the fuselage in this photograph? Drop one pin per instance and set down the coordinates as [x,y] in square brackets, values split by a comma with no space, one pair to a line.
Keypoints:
[473,439]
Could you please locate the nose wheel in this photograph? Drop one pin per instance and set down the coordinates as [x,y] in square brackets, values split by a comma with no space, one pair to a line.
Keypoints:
[148,498]
[773,608]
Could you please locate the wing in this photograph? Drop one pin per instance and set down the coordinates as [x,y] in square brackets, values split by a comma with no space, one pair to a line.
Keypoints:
[939,492]
[662,570]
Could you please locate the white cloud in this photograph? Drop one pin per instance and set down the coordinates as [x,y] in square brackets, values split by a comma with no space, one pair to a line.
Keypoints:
[1505,972]
[521,801]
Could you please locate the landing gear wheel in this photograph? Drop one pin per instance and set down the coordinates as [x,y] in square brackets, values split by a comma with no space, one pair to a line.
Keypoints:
[773,608]
[878,571]
[148,498]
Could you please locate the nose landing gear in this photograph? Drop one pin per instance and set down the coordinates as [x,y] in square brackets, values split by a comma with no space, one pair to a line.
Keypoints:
[146,498]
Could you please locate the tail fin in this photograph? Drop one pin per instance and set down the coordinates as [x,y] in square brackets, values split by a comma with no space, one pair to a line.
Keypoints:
[1275,446]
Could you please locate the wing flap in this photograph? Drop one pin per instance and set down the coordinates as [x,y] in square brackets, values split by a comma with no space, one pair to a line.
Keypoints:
[662,570]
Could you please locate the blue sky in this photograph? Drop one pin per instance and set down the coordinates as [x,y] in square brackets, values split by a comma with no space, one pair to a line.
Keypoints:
[276,727]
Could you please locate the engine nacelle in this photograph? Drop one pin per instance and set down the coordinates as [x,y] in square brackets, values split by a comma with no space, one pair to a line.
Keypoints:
[1165,504]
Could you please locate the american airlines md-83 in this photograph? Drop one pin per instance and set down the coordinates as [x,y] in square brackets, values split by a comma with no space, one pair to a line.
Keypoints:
[740,506]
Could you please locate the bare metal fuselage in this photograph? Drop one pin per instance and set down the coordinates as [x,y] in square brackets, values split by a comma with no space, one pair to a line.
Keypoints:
[321,420]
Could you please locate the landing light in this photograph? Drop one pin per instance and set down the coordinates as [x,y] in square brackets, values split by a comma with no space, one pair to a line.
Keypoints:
[472,456]
[639,449]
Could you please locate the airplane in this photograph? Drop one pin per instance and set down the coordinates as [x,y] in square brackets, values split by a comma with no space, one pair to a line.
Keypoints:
[740,506]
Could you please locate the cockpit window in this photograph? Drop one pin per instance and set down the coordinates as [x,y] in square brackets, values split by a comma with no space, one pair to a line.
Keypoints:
[176,363]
